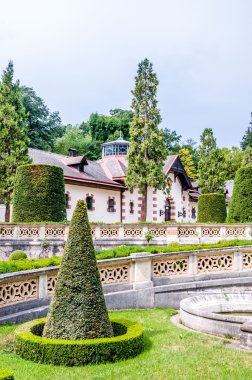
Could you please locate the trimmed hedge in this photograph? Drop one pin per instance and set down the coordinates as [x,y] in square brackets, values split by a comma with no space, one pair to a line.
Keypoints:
[39,194]
[127,343]
[212,208]
[240,209]
[6,375]
[78,309]
[28,264]
[18,255]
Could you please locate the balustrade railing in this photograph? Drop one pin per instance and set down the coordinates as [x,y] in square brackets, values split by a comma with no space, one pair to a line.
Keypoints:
[137,270]
[166,233]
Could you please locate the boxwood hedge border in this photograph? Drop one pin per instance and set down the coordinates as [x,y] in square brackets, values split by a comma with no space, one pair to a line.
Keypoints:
[128,342]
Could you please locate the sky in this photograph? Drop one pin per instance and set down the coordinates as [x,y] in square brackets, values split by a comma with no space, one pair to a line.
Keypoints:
[81,56]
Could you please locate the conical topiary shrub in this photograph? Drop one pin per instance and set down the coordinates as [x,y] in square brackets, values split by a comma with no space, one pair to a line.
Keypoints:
[78,309]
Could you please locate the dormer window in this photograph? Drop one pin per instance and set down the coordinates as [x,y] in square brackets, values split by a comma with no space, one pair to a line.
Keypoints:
[72,152]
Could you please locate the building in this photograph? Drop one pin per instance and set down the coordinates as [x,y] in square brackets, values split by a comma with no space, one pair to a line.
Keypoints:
[102,184]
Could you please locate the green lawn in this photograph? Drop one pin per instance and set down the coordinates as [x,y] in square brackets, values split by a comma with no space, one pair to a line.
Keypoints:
[171,353]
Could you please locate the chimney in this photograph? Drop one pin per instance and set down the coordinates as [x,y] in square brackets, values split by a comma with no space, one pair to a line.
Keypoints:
[72,152]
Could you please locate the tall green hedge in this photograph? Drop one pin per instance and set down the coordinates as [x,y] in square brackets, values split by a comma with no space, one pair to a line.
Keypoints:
[212,208]
[39,194]
[78,309]
[240,209]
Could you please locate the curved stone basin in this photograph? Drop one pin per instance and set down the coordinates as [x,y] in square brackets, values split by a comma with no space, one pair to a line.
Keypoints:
[203,313]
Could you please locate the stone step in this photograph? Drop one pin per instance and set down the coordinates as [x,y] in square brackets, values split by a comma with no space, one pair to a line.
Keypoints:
[22,306]
[24,316]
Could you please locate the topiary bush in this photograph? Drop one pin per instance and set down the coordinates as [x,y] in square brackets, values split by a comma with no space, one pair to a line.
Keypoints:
[18,255]
[6,375]
[212,208]
[127,342]
[39,194]
[240,209]
[78,309]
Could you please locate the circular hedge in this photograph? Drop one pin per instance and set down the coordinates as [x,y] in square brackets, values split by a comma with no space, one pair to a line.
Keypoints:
[6,375]
[212,208]
[39,194]
[127,342]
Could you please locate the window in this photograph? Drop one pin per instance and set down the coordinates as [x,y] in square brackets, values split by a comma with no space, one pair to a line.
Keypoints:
[184,212]
[111,205]
[131,207]
[67,200]
[89,202]
[193,213]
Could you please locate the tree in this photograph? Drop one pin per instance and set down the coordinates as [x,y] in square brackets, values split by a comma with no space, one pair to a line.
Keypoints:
[172,141]
[240,209]
[187,161]
[233,159]
[147,150]
[75,138]
[247,138]
[78,309]
[211,171]
[247,157]
[43,126]
[102,128]
[13,135]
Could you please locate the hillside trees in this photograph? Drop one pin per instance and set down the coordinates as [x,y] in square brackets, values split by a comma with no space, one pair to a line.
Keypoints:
[13,135]
[147,150]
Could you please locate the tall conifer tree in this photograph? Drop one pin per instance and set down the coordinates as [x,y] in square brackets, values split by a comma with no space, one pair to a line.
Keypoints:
[13,135]
[211,171]
[147,150]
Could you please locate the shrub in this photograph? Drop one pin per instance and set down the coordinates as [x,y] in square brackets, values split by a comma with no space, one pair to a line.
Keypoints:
[127,342]
[240,209]
[39,194]
[18,255]
[26,264]
[6,375]
[78,309]
[212,208]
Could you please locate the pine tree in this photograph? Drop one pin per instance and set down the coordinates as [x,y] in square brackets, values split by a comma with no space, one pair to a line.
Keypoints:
[187,161]
[247,158]
[211,170]
[147,150]
[78,309]
[13,135]
[247,138]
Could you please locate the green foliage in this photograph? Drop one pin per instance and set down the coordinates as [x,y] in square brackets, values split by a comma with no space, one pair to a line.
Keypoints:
[240,209]
[187,161]
[13,134]
[75,138]
[18,255]
[172,141]
[28,264]
[78,309]
[43,126]
[247,138]
[212,208]
[233,160]
[6,375]
[247,157]
[148,236]
[147,150]
[39,194]
[211,169]
[127,342]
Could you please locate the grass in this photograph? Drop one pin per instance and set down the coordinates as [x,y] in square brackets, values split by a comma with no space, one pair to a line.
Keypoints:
[122,251]
[171,353]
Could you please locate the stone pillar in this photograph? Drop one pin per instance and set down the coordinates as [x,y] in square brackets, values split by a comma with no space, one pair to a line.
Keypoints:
[192,265]
[142,270]
[237,261]
[121,232]
[42,286]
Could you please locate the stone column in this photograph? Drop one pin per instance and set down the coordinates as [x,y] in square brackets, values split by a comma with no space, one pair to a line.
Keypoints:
[237,261]
[42,286]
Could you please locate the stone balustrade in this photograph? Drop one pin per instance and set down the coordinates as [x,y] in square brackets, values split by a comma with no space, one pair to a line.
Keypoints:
[165,233]
[139,271]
